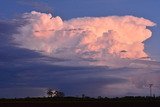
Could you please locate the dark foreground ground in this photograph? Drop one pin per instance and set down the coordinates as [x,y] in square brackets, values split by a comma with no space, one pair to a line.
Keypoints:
[82,102]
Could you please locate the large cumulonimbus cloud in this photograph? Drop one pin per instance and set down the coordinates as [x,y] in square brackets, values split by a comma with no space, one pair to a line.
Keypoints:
[88,38]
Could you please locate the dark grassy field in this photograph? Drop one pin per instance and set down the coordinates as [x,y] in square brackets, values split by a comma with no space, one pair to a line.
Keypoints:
[82,102]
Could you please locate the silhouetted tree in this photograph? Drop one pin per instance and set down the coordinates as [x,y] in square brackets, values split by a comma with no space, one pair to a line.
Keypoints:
[58,94]
[83,96]
[99,97]
[50,93]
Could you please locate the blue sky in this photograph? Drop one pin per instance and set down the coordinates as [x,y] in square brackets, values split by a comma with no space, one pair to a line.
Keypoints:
[27,70]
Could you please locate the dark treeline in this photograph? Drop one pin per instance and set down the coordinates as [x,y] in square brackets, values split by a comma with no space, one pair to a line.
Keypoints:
[81,102]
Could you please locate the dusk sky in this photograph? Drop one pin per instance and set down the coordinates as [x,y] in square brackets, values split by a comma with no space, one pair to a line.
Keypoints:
[93,47]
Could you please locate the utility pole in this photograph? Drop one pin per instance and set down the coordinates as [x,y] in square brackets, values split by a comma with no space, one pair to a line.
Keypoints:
[150,88]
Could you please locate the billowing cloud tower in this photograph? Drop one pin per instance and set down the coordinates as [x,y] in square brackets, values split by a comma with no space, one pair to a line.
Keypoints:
[88,38]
